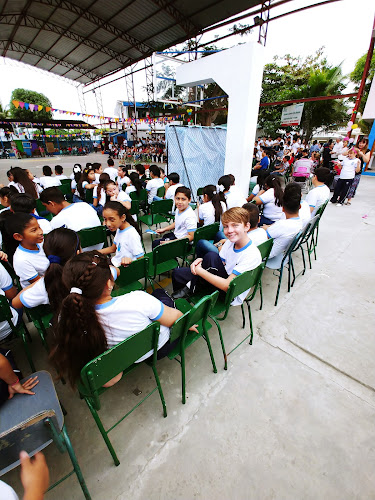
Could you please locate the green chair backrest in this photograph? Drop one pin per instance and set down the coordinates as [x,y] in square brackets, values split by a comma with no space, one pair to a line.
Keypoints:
[119,358]
[241,283]
[199,312]
[170,250]
[89,195]
[291,247]
[134,208]
[135,271]
[93,236]
[310,228]
[40,208]
[141,197]
[199,191]
[5,312]
[206,232]
[66,181]
[65,189]
[265,249]
[160,192]
[322,208]
[161,207]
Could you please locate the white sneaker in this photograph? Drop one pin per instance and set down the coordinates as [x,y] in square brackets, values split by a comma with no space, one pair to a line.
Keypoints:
[339,204]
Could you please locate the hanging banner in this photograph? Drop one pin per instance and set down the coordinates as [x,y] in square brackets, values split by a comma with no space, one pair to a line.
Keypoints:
[291,115]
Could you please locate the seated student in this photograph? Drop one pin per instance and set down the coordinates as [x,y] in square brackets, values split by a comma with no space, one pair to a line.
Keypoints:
[174,183]
[87,181]
[284,230]
[114,194]
[213,206]
[99,196]
[260,185]
[5,196]
[22,202]
[10,291]
[77,169]
[155,183]
[135,184]
[216,271]
[262,165]
[59,173]
[283,168]
[233,198]
[98,169]
[122,177]
[111,170]
[47,180]
[271,197]
[24,182]
[185,222]
[321,180]
[74,216]
[141,173]
[103,321]
[10,384]
[29,260]
[127,241]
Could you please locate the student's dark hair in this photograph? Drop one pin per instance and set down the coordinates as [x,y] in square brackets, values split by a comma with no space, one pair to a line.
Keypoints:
[225,181]
[174,177]
[110,162]
[21,177]
[136,181]
[88,165]
[8,191]
[273,181]
[262,176]
[17,223]
[184,190]
[59,246]
[124,169]
[232,178]
[155,170]
[119,208]
[52,194]
[10,172]
[292,197]
[104,178]
[324,174]
[216,198]
[140,169]
[96,166]
[287,157]
[47,170]
[253,214]
[58,169]
[79,335]
[84,178]
[22,202]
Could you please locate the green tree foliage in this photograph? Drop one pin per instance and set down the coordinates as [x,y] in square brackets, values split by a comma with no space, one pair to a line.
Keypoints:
[30,96]
[356,77]
[4,113]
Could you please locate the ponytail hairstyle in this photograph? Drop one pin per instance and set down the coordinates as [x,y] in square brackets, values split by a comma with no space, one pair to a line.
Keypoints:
[59,246]
[262,176]
[125,169]
[7,192]
[119,208]
[20,176]
[136,182]
[274,182]
[79,335]
[225,181]
[84,177]
[77,172]
[216,199]
[103,179]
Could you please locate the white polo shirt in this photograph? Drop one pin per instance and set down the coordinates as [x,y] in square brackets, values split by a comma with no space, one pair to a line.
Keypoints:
[234,198]
[6,284]
[238,261]
[112,172]
[270,209]
[61,177]
[103,196]
[122,196]
[122,180]
[348,168]
[29,264]
[258,236]
[36,295]
[185,222]
[152,187]
[49,181]
[283,232]
[128,314]
[44,224]
[171,191]
[206,212]
[317,196]
[128,244]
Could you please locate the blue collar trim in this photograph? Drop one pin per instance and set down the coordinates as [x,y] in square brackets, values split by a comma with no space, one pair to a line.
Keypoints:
[27,250]
[106,304]
[37,217]
[123,230]
[70,205]
[243,248]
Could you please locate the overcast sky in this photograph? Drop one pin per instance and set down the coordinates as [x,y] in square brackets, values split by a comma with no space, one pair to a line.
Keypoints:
[344,28]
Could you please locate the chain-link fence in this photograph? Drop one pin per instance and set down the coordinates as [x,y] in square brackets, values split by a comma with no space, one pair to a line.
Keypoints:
[197,154]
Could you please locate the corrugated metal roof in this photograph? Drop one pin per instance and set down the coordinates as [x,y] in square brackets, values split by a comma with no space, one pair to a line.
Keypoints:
[87,39]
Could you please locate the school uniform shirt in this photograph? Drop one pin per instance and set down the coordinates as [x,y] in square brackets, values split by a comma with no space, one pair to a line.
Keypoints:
[112,172]
[128,244]
[234,198]
[77,216]
[238,261]
[348,168]
[6,283]
[122,196]
[44,224]
[206,212]
[171,191]
[128,314]
[152,187]
[283,232]
[185,222]
[49,181]
[61,177]
[255,190]
[35,295]
[317,196]
[29,264]
[270,210]
[7,492]
[130,189]
[122,180]
[103,196]
[304,213]
[258,236]
[97,178]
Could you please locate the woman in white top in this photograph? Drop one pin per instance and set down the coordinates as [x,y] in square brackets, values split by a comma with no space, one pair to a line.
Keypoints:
[350,166]
[271,197]
[91,321]
[213,206]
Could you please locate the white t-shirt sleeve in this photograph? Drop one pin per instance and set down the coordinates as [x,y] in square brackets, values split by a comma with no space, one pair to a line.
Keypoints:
[276,230]
[6,282]
[25,270]
[135,246]
[7,492]
[153,306]
[255,190]
[311,198]
[122,196]
[36,295]
[267,196]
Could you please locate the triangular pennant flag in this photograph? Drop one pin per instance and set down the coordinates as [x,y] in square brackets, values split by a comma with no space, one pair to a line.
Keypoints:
[40,107]
[16,103]
[27,105]
[48,109]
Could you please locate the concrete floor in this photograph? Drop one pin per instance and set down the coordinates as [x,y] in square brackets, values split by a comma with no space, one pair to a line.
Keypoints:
[292,418]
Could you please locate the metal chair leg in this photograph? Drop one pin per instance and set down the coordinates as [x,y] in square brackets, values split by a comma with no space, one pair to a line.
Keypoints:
[75,463]
[221,341]
[156,375]
[243,316]
[207,339]
[278,287]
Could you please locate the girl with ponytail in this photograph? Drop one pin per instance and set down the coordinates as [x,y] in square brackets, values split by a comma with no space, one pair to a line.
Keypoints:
[271,197]
[213,206]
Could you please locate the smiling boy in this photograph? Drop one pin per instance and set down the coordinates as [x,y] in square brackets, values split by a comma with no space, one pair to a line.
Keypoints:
[215,271]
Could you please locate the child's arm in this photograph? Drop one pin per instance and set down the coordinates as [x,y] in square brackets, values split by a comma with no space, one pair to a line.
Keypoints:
[165,229]
[216,281]
[108,250]
[169,316]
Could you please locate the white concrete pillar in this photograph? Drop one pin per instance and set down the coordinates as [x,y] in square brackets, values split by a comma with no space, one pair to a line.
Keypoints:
[239,73]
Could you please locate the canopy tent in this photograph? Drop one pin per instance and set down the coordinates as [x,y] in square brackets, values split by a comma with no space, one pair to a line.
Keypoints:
[85,40]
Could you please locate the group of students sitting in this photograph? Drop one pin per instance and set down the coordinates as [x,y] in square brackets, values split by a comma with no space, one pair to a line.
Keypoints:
[77,282]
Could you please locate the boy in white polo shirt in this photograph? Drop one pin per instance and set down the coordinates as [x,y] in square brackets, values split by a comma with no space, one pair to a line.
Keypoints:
[321,180]
[185,222]
[215,271]
[155,183]
[174,183]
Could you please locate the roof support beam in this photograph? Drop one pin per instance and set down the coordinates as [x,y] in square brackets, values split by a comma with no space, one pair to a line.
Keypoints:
[16,26]
[167,6]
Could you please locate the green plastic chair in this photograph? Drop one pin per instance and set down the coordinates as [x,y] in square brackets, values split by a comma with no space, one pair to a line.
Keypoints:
[41,316]
[160,192]
[158,213]
[142,198]
[310,239]
[89,195]
[19,330]
[163,258]
[120,358]
[197,314]
[66,182]
[204,233]
[93,236]
[320,212]
[65,189]
[220,310]
[128,281]
[42,211]
[134,208]
[265,250]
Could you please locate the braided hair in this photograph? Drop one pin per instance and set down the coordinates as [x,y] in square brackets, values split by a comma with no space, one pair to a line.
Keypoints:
[79,335]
